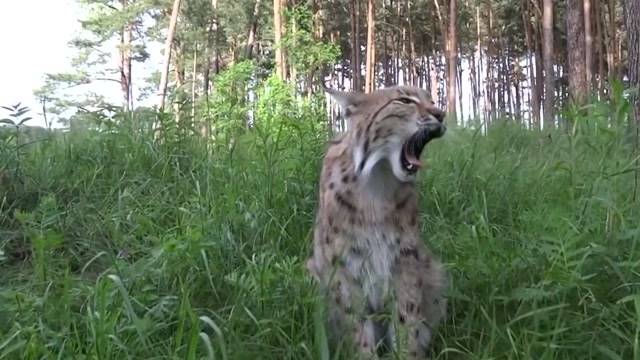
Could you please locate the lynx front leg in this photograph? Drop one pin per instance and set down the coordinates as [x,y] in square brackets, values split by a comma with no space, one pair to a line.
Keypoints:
[419,283]
[348,314]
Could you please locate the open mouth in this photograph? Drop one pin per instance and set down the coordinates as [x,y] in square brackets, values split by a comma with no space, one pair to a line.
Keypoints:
[412,149]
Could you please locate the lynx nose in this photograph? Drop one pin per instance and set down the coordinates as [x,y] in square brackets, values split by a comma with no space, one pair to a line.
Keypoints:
[432,112]
[438,114]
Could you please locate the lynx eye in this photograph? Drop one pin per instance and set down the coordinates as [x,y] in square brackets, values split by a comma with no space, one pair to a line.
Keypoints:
[406,100]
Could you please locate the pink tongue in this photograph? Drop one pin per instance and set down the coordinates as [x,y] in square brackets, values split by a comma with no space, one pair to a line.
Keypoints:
[412,159]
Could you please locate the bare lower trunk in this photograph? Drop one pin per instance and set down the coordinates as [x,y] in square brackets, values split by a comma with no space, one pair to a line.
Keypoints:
[490,91]
[576,51]
[179,73]
[251,37]
[632,20]
[549,78]
[600,48]
[371,47]
[278,30]
[588,42]
[164,75]
[356,81]
[452,60]
[531,50]
[194,76]
[433,78]
[211,53]
[413,68]
[612,51]
[125,63]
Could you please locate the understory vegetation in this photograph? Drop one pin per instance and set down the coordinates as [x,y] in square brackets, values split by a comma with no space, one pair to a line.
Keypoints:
[129,244]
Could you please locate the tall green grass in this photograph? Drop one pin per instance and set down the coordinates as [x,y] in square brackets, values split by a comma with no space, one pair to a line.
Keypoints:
[116,246]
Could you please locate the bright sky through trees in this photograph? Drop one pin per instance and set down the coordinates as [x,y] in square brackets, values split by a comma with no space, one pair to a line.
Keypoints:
[34,42]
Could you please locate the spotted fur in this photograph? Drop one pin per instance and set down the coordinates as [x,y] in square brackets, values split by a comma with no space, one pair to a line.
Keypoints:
[368,254]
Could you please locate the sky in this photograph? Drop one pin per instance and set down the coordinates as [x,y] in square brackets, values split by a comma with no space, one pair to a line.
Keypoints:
[33,38]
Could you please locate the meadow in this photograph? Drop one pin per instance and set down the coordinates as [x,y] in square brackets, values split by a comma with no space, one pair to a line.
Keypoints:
[115,245]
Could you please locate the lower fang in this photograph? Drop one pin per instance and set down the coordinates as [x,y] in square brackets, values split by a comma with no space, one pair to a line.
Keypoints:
[410,167]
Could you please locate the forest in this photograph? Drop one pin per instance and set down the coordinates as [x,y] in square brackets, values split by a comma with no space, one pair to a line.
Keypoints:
[166,208]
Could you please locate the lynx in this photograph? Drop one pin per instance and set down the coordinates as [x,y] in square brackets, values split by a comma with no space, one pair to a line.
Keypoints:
[368,255]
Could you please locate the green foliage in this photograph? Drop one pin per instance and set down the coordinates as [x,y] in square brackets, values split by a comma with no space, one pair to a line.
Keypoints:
[306,52]
[228,107]
[113,245]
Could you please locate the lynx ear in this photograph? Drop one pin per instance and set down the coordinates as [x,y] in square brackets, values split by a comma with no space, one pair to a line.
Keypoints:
[347,100]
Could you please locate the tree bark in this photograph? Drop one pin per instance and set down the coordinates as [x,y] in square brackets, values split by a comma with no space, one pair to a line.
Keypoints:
[516,88]
[371,47]
[212,57]
[588,43]
[538,39]
[490,91]
[549,78]
[278,30]
[125,62]
[479,55]
[179,74]
[528,38]
[194,76]
[164,76]
[251,37]
[452,60]
[632,20]
[432,67]
[578,87]
[600,48]
[385,52]
[413,67]
[356,65]
[474,68]
[612,58]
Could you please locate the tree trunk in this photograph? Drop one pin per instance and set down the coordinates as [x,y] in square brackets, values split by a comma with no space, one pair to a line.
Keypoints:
[318,20]
[500,72]
[194,76]
[632,20]
[433,78]
[278,30]
[401,48]
[452,60]
[490,92]
[612,59]
[473,68]
[178,64]
[578,87]
[531,50]
[251,37]
[600,47]
[164,75]
[356,81]
[539,39]
[212,57]
[180,95]
[413,68]
[516,88]
[479,56]
[549,78]
[371,47]
[206,70]
[588,43]
[385,52]
[125,62]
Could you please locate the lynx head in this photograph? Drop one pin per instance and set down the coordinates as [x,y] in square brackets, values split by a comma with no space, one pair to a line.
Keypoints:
[392,125]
